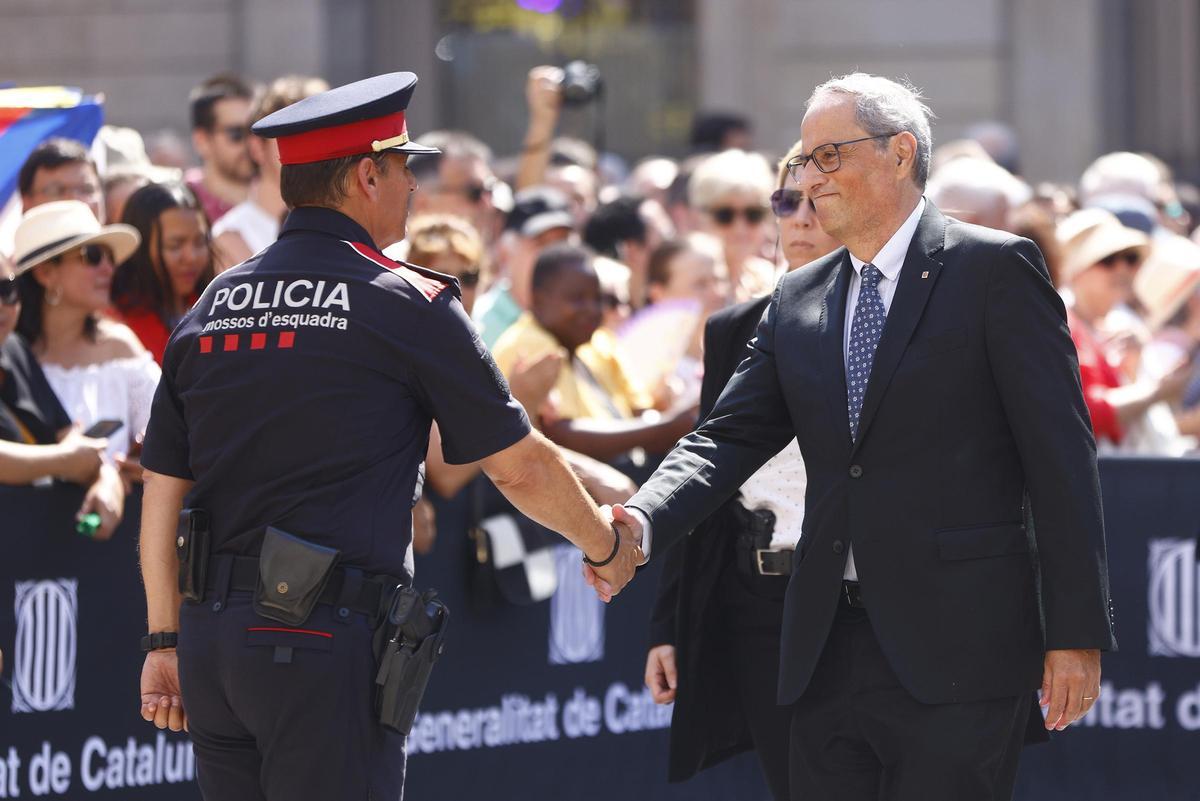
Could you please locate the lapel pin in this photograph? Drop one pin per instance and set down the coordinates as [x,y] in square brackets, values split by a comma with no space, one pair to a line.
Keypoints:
[925,274]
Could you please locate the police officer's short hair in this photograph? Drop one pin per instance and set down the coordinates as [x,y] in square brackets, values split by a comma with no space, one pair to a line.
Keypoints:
[50,155]
[322,183]
[556,258]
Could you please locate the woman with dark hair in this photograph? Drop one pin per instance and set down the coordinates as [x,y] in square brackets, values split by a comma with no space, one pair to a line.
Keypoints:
[162,279]
[96,367]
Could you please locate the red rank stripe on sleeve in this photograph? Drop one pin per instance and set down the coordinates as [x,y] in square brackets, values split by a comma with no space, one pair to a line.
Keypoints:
[430,288]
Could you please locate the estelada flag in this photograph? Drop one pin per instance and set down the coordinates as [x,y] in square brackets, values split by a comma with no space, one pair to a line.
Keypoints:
[31,115]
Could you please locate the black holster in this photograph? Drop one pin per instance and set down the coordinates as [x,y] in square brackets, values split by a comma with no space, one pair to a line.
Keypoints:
[193,541]
[409,640]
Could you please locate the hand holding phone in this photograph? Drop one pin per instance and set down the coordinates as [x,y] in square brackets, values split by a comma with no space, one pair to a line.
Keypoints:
[103,429]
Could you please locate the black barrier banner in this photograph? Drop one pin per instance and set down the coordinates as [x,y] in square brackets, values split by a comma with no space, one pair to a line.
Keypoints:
[72,612]
[1141,740]
[545,702]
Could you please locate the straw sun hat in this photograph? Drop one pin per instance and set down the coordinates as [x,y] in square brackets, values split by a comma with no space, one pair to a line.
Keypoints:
[52,229]
[1090,235]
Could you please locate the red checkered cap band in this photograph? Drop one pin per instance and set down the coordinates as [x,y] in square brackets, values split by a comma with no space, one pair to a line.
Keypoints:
[351,139]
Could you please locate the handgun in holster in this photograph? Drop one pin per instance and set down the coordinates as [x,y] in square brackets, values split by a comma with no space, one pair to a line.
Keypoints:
[193,539]
[411,637]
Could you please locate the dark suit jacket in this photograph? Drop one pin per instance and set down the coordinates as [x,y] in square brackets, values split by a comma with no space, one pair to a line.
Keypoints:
[974,398]
[707,724]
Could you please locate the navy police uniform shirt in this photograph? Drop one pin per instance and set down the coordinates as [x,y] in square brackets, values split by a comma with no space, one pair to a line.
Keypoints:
[299,391]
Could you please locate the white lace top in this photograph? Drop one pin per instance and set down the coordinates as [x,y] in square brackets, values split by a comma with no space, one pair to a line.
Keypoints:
[120,389]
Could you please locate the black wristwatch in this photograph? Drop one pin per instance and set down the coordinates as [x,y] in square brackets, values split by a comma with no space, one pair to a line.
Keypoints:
[159,640]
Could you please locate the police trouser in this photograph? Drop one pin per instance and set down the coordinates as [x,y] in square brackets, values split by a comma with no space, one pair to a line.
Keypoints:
[277,712]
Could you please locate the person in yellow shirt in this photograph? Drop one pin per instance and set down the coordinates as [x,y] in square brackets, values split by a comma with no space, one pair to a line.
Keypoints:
[593,408]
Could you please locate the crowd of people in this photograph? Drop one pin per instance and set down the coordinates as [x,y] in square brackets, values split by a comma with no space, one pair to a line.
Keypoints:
[589,278]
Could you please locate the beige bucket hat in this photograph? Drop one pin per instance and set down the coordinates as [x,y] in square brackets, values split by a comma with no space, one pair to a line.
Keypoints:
[52,229]
[1090,235]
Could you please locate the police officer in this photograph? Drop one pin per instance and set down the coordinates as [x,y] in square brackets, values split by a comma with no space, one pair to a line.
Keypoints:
[297,397]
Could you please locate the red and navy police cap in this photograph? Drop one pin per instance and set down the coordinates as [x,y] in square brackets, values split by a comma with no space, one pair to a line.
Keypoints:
[363,117]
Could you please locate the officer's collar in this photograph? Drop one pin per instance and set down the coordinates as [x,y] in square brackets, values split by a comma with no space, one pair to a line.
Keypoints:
[326,221]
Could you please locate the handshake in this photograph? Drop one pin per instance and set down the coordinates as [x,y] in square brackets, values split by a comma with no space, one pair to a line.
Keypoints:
[609,577]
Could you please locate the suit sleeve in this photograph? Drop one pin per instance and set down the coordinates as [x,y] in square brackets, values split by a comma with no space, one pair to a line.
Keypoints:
[1036,370]
[749,424]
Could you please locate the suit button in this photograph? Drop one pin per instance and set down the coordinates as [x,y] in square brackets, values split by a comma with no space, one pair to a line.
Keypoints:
[838,547]
[856,471]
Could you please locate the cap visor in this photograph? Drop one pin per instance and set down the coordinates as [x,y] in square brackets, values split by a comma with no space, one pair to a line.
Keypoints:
[413,148]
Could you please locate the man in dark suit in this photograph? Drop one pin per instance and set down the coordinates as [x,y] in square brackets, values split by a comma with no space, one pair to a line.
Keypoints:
[928,375]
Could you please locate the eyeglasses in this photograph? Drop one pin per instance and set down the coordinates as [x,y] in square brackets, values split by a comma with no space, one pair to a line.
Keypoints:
[786,202]
[725,215]
[1131,258]
[91,255]
[468,279]
[9,295]
[828,157]
[235,133]
[56,191]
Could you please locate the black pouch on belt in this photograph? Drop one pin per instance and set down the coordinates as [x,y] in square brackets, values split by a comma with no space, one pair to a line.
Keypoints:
[192,542]
[417,626]
[291,575]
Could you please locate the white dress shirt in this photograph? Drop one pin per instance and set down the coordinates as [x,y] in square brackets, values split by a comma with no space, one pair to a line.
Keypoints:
[889,261]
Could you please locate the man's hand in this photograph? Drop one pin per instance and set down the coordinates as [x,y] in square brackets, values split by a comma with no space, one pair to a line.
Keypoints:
[105,497]
[661,676]
[162,702]
[1070,685]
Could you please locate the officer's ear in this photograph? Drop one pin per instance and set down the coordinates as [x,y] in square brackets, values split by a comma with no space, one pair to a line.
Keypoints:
[366,177]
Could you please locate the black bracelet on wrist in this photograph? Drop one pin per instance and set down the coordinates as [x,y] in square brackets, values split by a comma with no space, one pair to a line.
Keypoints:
[615,550]
[159,640]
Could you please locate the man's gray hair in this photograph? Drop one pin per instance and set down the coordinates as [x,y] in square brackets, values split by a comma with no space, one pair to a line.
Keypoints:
[883,106]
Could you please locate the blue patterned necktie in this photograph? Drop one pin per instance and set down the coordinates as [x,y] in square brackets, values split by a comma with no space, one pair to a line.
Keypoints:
[865,330]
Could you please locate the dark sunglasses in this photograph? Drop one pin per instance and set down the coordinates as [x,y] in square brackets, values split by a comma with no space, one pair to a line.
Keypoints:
[468,279]
[786,202]
[725,215]
[1131,258]
[92,255]
[236,133]
[9,295]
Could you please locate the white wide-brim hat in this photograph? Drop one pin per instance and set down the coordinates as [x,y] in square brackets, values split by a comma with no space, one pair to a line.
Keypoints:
[54,228]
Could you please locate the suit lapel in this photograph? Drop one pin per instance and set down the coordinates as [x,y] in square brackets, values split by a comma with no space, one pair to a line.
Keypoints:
[912,293]
[833,355]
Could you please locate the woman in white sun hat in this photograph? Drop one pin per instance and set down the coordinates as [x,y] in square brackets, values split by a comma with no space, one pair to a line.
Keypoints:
[1101,258]
[64,263]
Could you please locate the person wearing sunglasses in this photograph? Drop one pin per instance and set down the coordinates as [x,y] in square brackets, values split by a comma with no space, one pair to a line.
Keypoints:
[1101,259]
[220,109]
[801,236]
[685,664]
[37,439]
[172,265]
[731,191]
[96,366]
[254,223]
